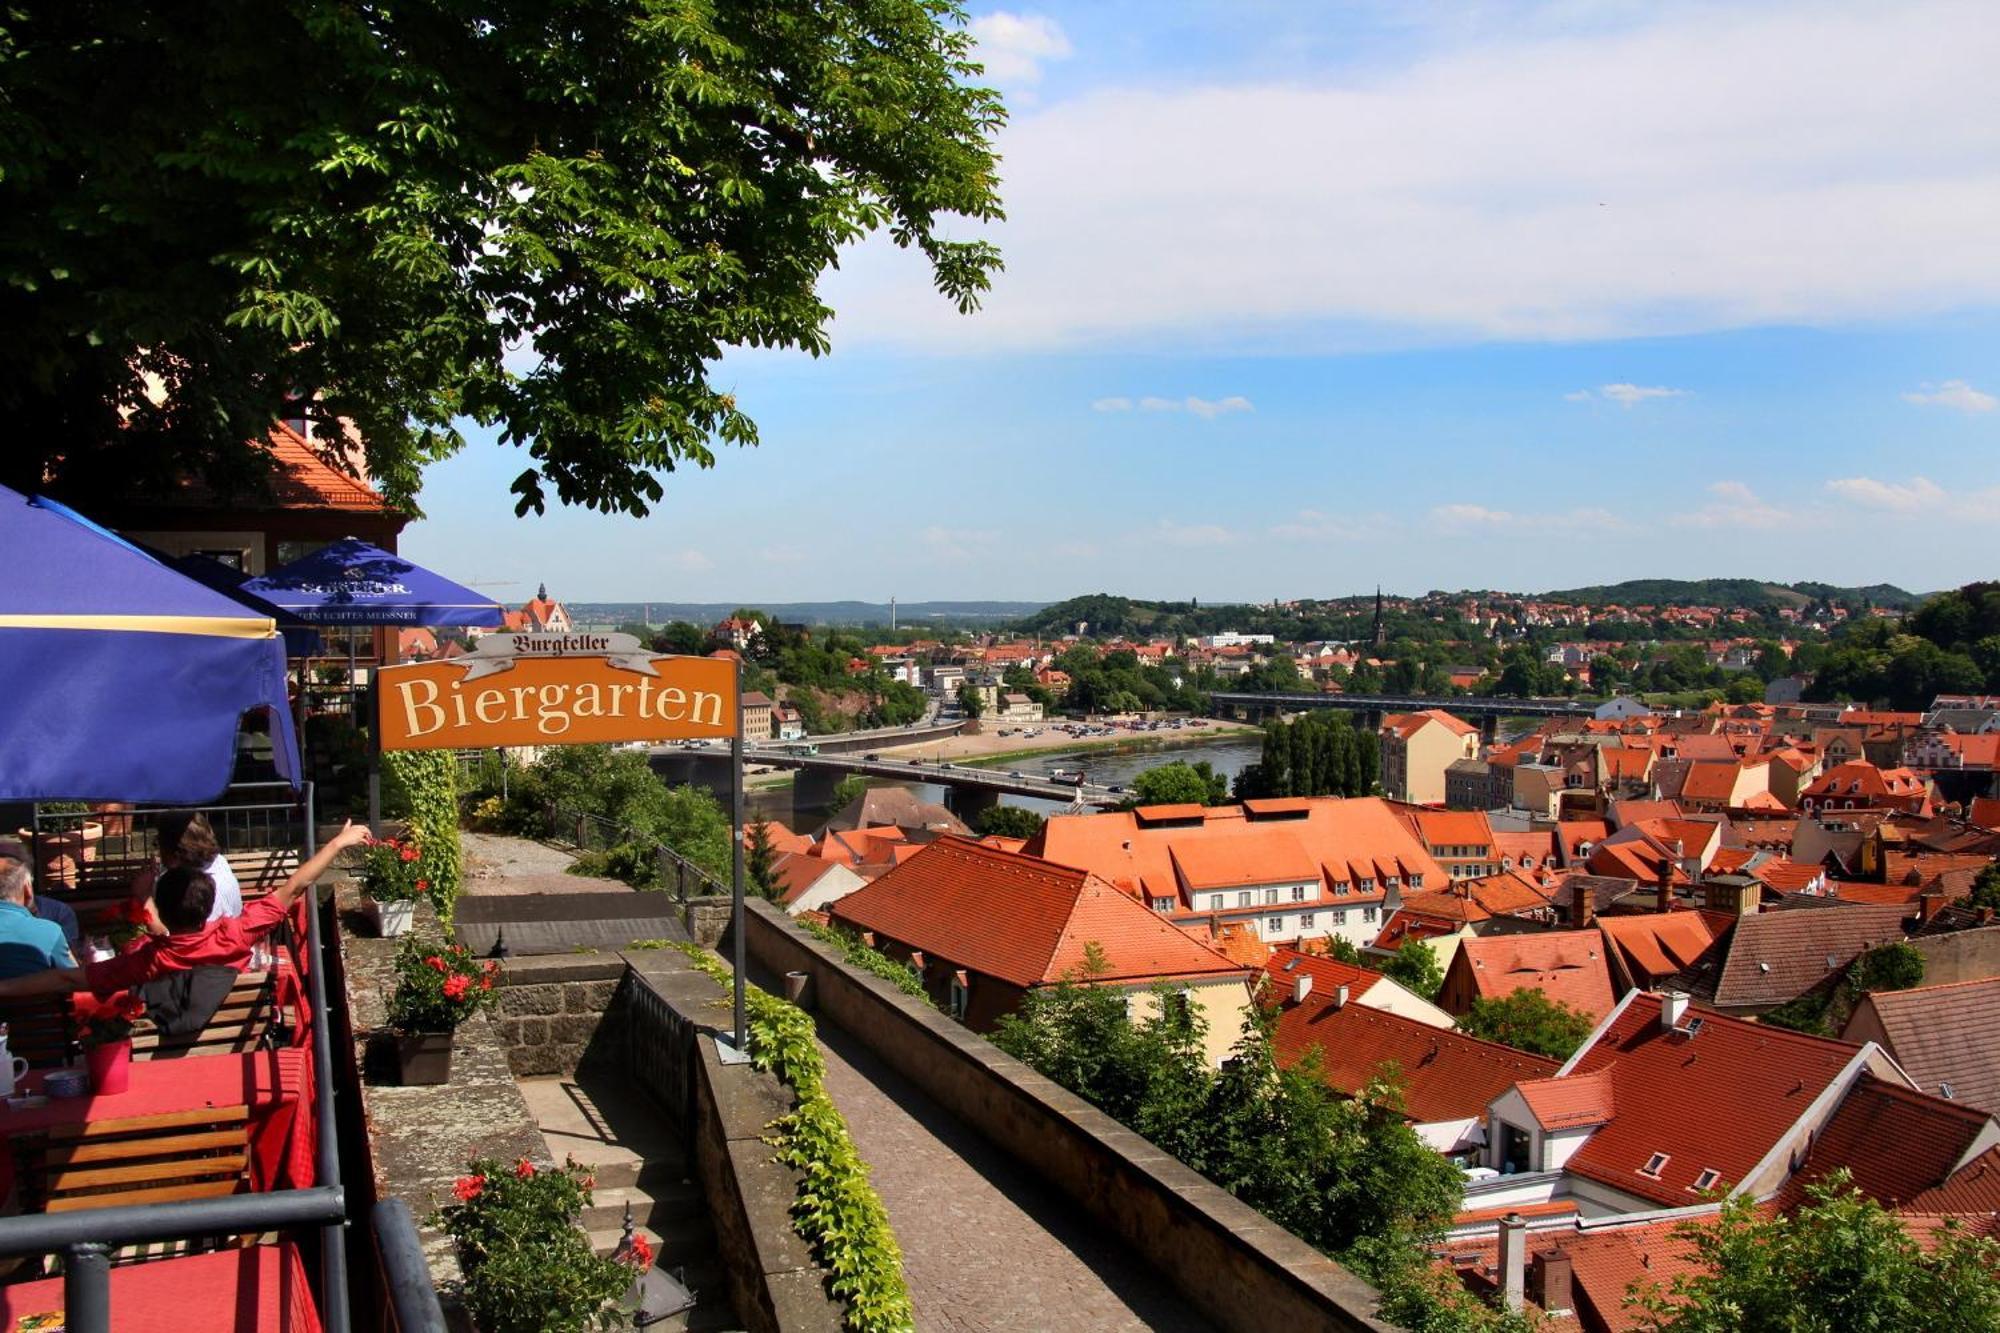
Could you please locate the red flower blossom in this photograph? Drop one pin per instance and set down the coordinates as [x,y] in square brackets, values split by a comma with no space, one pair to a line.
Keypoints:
[455,987]
[642,1252]
[486,983]
[438,963]
[590,1182]
[423,886]
[524,1168]
[468,1188]
[408,853]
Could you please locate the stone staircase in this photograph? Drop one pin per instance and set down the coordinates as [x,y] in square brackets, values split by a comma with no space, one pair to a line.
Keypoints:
[633,1149]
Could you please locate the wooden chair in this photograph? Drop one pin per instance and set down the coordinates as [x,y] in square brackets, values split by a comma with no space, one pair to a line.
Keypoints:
[39,1030]
[237,1026]
[198,1154]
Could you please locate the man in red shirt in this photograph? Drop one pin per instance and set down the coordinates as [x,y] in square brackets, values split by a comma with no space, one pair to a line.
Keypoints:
[184,896]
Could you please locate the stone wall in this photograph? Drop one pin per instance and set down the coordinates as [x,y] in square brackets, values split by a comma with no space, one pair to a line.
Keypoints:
[726,1110]
[1963,955]
[557,1011]
[708,920]
[1240,1270]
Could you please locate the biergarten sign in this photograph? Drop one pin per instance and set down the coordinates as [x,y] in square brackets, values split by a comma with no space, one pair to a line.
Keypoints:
[555,689]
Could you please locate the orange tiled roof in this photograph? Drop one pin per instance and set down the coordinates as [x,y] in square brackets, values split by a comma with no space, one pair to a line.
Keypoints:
[1569,1103]
[1407,725]
[306,481]
[1023,919]
[1565,965]
[1659,944]
[1449,828]
[1897,1143]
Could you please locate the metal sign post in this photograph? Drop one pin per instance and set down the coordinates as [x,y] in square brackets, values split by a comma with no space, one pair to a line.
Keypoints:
[736,855]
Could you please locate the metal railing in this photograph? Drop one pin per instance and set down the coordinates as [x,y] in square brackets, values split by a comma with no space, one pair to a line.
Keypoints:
[247,819]
[86,1238]
[409,1297]
[594,833]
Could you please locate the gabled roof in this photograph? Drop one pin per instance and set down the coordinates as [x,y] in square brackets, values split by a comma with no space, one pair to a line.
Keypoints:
[304,480]
[1022,919]
[1264,856]
[1944,1037]
[1898,1144]
[1659,944]
[1565,965]
[1777,956]
[1445,1075]
[1451,828]
[1407,725]
[1719,1100]
[1287,964]
[1576,1102]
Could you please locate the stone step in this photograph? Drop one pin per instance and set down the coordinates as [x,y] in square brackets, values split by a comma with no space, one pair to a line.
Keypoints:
[684,1243]
[664,1206]
[658,1175]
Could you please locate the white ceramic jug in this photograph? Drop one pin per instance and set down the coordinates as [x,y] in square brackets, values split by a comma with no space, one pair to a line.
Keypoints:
[12,1067]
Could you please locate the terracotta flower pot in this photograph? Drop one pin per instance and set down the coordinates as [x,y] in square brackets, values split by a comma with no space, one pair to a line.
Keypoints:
[424,1058]
[110,1067]
[60,857]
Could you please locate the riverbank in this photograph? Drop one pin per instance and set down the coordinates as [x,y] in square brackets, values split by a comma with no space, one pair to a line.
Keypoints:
[989,748]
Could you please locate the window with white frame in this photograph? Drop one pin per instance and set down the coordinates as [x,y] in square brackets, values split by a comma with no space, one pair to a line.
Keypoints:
[1275,924]
[1298,893]
[1340,889]
[1340,916]
[1270,896]
[1654,1165]
[1367,915]
[1163,904]
[1305,921]
[1243,899]
[1416,881]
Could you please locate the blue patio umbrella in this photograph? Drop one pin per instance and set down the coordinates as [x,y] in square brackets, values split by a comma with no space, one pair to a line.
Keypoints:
[120,678]
[301,639]
[353,583]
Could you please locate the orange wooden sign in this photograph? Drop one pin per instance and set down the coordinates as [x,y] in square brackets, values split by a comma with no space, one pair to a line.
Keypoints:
[489,699]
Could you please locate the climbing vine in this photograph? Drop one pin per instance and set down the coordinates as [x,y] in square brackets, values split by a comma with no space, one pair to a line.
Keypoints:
[421,787]
[837,1212]
[872,961]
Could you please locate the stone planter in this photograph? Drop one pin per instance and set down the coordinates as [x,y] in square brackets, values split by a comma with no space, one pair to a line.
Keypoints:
[424,1058]
[60,857]
[391,918]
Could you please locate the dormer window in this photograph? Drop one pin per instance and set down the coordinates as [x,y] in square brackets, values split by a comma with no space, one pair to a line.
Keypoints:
[1704,1182]
[1654,1165]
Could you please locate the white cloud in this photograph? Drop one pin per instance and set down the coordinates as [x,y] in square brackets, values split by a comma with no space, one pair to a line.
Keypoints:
[1169,533]
[1953,393]
[956,543]
[1208,409]
[1471,516]
[690,561]
[1480,518]
[1626,395]
[1912,496]
[1839,164]
[1013,46]
[1310,525]
[1735,505]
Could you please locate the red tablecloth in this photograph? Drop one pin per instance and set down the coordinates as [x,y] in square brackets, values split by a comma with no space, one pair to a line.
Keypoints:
[259,1290]
[271,1083]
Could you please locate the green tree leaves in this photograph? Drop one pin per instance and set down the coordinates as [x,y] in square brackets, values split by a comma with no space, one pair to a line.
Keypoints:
[1528,1020]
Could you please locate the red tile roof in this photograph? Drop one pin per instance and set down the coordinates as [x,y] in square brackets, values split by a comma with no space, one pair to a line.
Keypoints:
[1658,945]
[1023,919]
[1287,964]
[1445,1075]
[1974,1188]
[1570,1103]
[1407,725]
[306,481]
[1565,965]
[1447,828]
[1897,1144]
[1719,1100]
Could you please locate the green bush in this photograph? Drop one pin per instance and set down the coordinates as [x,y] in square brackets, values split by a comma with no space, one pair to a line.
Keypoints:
[901,975]
[619,787]
[528,1265]
[837,1211]
[631,862]
[420,787]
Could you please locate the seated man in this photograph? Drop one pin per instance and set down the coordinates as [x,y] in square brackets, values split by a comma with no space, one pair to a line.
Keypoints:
[185,897]
[41,904]
[28,944]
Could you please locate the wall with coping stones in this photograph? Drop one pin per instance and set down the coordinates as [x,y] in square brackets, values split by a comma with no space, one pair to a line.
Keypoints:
[1239,1269]
[558,1011]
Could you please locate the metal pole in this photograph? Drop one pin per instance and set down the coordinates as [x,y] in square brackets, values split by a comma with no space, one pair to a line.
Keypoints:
[87,1288]
[332,1238]
[736,854]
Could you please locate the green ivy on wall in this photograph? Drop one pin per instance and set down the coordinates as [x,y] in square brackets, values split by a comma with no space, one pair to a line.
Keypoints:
[837,1212]
[421,788]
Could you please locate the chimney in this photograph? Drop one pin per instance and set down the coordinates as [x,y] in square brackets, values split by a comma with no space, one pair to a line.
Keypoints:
[1582,906]
[1673,1007]
[1513,1253]
[1302,986]
[1549,1277]
[1340,997]
[1665,902]
[1928,905]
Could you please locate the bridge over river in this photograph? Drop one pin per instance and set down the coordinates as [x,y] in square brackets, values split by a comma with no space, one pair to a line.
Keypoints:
[1486,711]
[968,790]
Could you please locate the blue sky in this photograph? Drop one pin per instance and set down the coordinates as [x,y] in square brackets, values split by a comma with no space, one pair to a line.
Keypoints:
[1306,297]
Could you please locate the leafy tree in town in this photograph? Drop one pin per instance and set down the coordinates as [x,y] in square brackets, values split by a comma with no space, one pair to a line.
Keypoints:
[1341,949]
[620,789]
[970,701]
[1529,1020]
[1894,966]
[1180,783]
[1319,754]
[679,636]
[1840,1262]
[1008,821]
[848,790]
[1415,965]
[552,228]
[1986,888]
[758,859]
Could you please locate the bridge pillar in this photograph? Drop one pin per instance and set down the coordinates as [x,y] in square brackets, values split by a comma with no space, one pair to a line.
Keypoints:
[967,802]
[1489,728]
[1371,721]
[812,788]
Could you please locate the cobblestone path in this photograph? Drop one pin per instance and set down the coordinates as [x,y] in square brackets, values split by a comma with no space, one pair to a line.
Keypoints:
[986,1248]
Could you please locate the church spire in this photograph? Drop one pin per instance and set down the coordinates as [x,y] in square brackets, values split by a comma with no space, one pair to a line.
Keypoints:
[1381,630]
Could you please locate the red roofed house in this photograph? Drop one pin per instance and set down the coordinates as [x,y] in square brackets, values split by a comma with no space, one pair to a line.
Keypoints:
[1860,785]
[1461,840]
[1291,868]
[812,883]
[1285,967]
[983,927]
[1416,750]
[543,615]
[1565,965]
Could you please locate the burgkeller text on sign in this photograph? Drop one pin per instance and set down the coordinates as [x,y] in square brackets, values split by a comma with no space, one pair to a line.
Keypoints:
[551,694]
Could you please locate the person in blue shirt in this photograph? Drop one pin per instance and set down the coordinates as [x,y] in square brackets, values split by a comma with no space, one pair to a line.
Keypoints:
[43,906]
[28,944]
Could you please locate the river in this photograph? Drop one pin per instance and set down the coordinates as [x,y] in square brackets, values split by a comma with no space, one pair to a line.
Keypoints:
[1227,755]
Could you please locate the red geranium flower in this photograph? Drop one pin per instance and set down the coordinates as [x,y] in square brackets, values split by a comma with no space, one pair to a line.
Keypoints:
[456,987]
[438,963]
[642,1252]
[524,1168]
[409,853]
[423,886]
[486,983]
[468,1188]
